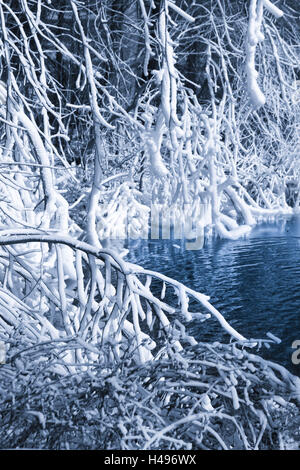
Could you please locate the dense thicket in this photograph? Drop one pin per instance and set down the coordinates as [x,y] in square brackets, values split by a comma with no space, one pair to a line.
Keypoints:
[160,95]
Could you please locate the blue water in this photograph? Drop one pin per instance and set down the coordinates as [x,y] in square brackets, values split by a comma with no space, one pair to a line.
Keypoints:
[254,282]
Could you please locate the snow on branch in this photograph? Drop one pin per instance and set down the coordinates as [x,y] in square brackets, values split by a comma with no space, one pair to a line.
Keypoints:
[273,9]
[254,36]
[180,12]
[111,304]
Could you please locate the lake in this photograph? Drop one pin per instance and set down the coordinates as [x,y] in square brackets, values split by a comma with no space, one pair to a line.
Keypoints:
[254,282]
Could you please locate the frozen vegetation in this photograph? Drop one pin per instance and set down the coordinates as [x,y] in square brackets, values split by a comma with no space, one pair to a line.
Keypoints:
[109,113]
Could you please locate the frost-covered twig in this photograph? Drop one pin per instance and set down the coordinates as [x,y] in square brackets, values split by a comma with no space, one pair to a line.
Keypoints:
[255,36]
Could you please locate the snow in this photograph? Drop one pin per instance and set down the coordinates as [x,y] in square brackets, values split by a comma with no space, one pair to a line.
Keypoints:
[255,36]
[180,12]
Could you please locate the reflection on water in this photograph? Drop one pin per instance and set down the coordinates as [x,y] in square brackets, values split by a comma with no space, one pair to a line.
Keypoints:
[254,282]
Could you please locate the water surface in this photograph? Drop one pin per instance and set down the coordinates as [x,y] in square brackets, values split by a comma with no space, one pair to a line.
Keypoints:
[254,282]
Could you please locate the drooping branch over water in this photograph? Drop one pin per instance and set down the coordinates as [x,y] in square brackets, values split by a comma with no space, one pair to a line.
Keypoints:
[109,299]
